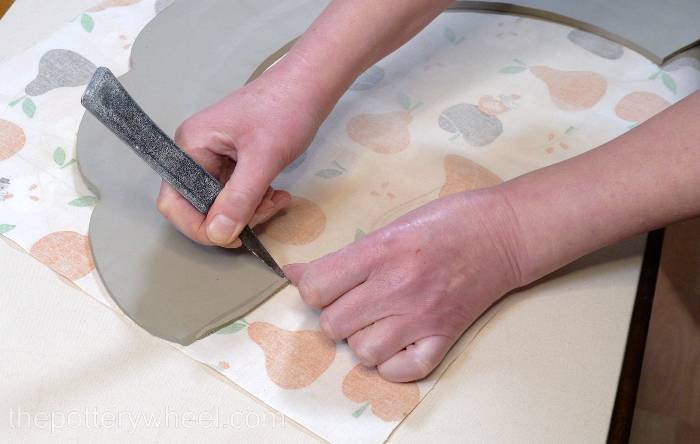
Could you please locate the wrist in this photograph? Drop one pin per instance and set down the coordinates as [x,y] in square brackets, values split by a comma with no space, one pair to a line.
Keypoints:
[499,222]
[316,88]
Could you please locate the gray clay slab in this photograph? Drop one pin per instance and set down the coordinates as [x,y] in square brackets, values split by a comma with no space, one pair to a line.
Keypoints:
[655,29]
[192,54]
[195,52]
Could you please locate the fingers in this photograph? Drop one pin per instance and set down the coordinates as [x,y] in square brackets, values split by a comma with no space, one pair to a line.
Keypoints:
[324,280]
[272,203]
[294,272]
[190,222]
[359,308]
[417,360]
[181,214]
[380,341]
[235,205]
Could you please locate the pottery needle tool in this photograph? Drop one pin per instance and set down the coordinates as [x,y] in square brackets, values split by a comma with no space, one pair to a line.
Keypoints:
[111,104]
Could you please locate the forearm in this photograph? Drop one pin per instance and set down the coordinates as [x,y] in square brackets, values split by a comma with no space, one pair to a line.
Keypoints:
[347,38]
[644,179]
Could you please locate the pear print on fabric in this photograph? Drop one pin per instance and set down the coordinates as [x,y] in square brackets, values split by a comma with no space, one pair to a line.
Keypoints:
[389,401]
[12,139]
[368,79]
[59,68]
[293,359]
[299,223]
[476,127]
[596,44]
[65,252]
[104,4]
[638,106]
[569,90]
[477,124]
[572,90]
[384,133]
[461,174]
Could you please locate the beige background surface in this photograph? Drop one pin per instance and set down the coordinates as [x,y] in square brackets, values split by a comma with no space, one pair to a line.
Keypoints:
[545,369]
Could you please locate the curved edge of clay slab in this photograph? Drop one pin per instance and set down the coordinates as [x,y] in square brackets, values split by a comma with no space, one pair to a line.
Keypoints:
[170,286]
[578,20]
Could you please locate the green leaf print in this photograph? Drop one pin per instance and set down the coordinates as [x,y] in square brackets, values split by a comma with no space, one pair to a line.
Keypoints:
[16,101]
[512,69]
[4,228]
[404,101]
[28,107]
[70,162]
[59,156]
[360,411]
[359,234]
[669,82]
[329,173]
[83,201]
[233,328]
[87,22]
[451,36]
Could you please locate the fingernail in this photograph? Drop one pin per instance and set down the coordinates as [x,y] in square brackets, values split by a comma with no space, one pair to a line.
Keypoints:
[221,230]
[163,206]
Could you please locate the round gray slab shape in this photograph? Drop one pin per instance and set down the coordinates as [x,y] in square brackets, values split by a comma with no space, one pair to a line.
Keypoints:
[188,57]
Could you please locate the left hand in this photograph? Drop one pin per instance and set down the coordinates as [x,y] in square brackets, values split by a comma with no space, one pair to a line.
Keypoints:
[404,294]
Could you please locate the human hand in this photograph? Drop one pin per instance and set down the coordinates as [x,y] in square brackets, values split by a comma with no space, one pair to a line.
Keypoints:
[404,294]
[258,129]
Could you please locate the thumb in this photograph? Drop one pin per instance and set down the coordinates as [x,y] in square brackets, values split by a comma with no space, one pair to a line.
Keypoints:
[236,203]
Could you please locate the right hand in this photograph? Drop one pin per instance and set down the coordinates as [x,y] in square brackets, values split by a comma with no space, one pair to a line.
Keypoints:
[244,140]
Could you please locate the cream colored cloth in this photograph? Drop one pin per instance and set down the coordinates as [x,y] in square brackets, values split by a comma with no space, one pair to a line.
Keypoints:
[473,100]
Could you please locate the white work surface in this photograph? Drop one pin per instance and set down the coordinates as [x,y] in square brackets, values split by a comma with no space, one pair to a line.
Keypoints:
[545,369]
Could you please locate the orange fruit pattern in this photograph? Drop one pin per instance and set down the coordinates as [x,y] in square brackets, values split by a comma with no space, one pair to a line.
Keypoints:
[383,133]
[572,90]
[66,252]
[638,106]
[390,401]
[12,139]
[293,359]
[461,174]
[111,3]
[301,222]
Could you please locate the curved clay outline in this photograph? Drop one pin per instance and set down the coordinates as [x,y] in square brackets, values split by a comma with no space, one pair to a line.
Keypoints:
[131,271]
[584,22]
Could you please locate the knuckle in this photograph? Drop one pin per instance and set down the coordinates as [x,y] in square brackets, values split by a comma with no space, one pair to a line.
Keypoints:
[309,292]
[240,197]
[184,134]
[241,193]
[365,351]
[327,325]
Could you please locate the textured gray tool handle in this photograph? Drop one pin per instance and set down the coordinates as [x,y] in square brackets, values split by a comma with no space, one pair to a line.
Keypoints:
[107,100]
[112,105]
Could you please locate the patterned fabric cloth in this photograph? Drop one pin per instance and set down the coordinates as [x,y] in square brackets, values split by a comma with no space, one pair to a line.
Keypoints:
[475,99]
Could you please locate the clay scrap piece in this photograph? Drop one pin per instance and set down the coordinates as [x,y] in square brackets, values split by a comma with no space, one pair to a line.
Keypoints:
[647,26]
